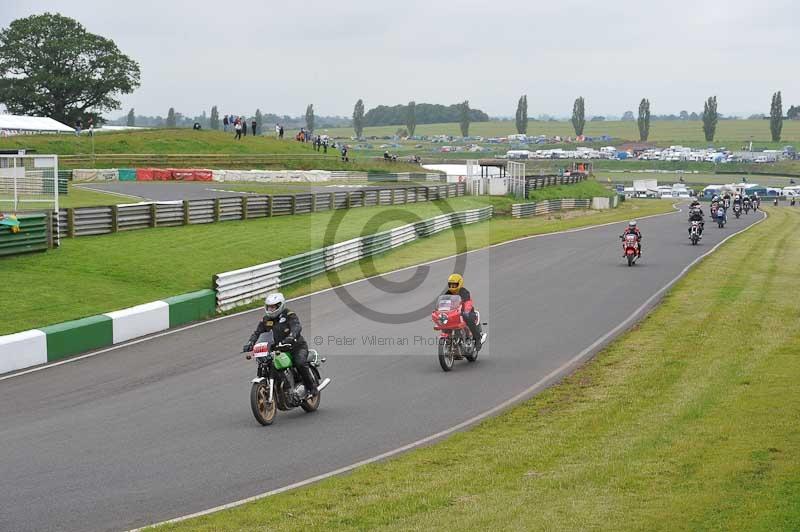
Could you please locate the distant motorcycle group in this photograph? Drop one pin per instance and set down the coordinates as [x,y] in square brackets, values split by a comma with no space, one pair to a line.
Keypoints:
[632,236]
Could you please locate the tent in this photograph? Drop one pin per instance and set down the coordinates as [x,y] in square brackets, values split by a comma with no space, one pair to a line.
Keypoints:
[15,124]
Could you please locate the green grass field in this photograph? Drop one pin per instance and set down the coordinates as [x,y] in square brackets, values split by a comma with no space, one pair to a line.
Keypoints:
[730,133]
[187,141]
[583,190]
[690,421]
[91,275]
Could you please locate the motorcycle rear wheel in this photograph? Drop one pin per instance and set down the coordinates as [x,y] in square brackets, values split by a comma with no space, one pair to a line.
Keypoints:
[310,405]
[263,410]
[445,356]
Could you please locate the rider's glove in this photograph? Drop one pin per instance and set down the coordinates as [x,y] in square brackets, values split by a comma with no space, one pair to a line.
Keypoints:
[247,347]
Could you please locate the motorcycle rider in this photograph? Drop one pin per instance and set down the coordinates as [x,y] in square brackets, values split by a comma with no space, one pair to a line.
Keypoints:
[455,286]
[726,201]
[714,205]
[696,215]
[746,203]
[632,229]
[756,201]
[286,329]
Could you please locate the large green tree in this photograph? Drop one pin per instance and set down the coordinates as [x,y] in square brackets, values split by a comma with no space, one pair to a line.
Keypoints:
[644,119]
[411,118]
[51,66]
[710,118]
[131,121]
[776,117]
[463,118]
[171,120]
[522,114]
[213,121]
[358,118]
[579,115]
[310,117]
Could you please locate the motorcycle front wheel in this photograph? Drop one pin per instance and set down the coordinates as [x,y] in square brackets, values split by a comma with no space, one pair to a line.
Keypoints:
[445,356]
[263,410]
[630,260]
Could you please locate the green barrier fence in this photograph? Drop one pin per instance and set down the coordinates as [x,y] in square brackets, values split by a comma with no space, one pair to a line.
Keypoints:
[190,307]
[78,336]
[32,235]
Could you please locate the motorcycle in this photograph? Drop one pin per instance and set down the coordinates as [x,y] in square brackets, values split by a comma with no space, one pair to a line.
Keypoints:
[737,210]
[630,248]
[747,207]
[455,340]
[720,217]
[694,232]
[278,385]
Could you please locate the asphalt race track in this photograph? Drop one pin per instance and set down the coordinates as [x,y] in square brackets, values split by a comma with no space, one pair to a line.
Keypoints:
[163,428]
[159,191]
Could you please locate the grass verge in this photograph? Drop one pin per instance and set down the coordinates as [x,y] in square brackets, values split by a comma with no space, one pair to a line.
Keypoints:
[690,421]
[583,190]
[92,275]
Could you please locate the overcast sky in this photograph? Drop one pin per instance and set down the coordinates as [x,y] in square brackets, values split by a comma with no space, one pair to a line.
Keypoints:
[280,56]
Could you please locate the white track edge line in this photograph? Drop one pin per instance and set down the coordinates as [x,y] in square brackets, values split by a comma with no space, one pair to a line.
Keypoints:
[541,383]
[324,290]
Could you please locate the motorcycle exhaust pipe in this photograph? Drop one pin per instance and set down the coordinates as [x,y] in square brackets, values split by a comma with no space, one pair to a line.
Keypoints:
[325,382]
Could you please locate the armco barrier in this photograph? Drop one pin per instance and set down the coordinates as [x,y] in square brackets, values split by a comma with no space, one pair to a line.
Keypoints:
[32,236]
[85,221]
[55,342]
[520,210]
[242,286]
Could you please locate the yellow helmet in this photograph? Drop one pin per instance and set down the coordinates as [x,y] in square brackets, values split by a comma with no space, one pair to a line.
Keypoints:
[454,283]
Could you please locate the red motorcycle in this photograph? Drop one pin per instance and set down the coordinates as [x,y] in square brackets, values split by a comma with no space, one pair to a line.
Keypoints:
[455,340]
[630,248]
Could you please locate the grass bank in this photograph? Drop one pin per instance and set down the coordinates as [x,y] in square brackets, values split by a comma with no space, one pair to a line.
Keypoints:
[583,190]
[91,275]
[293,154]
[691,421]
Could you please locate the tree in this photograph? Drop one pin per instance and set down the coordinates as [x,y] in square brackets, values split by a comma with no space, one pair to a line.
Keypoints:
[411,118]
[694,116]
[259,119]
[684,115]
[522,114]
[794,112]
[776,117]
[131,118]
[579,116]
[310,117]
[358,118]
[463,119]
[213,122]
[171,122]
[51,66]
[628,116]
[644,119]
[710,118]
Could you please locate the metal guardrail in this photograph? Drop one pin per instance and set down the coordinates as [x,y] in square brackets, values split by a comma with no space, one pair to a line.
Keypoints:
[32,236]
[85,221]
[520,210]
[242,286]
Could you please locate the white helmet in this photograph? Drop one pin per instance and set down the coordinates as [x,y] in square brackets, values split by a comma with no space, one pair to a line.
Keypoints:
[274,304]
[632,223]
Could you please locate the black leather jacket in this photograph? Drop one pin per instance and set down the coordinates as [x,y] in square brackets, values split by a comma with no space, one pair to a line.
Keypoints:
[285,324]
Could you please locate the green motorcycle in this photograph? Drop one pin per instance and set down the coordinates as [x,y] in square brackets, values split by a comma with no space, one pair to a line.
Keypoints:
[278,385]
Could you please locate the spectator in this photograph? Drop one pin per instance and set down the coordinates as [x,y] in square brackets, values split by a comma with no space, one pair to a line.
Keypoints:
[243,121]
[225,123]
[238,127]
[90,123]
[253,124]
[78,126]
[325,145]
[302,135]
[278,131]
[344,153]
[281,134]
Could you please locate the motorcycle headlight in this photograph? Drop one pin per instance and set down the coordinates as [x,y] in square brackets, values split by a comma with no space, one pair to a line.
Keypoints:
[443,318]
